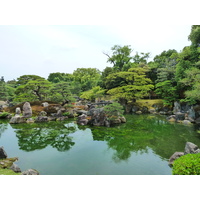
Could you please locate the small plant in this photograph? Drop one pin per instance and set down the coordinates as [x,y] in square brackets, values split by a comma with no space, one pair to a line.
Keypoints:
[113,110]
[3,115]
[187,165]
[66,114]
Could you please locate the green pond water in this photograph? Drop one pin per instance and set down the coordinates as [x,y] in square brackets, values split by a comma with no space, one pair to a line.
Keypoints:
[142,146]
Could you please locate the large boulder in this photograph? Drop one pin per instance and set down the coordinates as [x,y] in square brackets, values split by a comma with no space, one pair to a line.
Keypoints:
[175,156]
[191,148]
[82,119]
[177,107]
[15,168]
[17,119]
[98,117]
[18,111]
[27,110]
[30,172]
[3,154]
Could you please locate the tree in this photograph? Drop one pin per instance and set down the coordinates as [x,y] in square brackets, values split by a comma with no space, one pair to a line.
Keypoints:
[120,58]
[32,88]
[194,36]
[192,82]
[95,92]
[60,92]
[58,77]
[167,91]
[86,77]
[135,85]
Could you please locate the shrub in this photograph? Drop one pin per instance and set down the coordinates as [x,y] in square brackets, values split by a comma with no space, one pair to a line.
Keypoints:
[66,114]
[113,110]
[187,165]
[4,115]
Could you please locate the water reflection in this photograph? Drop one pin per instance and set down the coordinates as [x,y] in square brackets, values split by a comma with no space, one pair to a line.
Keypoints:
[38,136]
[143,132]
[3,127]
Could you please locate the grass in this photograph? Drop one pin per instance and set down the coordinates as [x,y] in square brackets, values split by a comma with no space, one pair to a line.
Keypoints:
[149,103]
[4,168]
[8,172]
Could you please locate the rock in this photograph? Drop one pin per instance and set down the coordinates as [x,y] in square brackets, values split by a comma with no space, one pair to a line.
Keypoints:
[186,122]
[3,154]
[18,111]
[135,109]
[191,148]
[80,112]
[197,121]
[177,107]
[59,113]
[82,119]
[152,111]
[138,112]
[27,110]
[180,116]
[41,119]
[62,118]
[51,118]
[30,172]
[30,120]
[145,109]
[191,113]
[15,168]
[163,113]
[42,113]
[171,118]
[17,120]
[175,156]
[45,104]
[123,119]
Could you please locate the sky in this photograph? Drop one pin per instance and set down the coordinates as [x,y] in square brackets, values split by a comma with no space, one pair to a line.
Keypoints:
[45,49]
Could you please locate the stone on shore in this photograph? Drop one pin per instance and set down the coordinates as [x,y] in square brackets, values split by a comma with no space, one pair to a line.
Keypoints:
[27,110]
[30,172]
[3,154]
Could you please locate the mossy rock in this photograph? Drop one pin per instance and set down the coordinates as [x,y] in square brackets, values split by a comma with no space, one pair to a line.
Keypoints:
[7,163]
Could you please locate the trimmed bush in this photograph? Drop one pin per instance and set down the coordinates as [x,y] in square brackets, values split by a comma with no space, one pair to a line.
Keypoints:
[187,165]
[113,111]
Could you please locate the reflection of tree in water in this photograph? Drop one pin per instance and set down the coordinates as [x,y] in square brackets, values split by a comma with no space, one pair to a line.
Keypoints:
[143,132]
[121,140]
[3,127]
[38,136]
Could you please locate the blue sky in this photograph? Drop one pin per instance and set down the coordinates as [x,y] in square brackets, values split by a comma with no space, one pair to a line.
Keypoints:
[40,50]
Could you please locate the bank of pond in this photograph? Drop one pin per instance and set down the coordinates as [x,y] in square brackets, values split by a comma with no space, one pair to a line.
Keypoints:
[141,146]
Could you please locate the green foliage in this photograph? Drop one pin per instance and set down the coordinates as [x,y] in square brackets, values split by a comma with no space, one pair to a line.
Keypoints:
[66,114]
[3,115]
[187,165]
[134,84]
[192,83]
[113,110]
[32,88]
[194,36]
[167,91]
[60,92]
[96,92]
[87,78]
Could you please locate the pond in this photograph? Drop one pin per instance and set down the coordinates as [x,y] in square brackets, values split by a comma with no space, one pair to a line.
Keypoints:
[142,146]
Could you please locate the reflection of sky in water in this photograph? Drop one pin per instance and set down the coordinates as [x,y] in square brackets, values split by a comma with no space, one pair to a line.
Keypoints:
[143,145]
